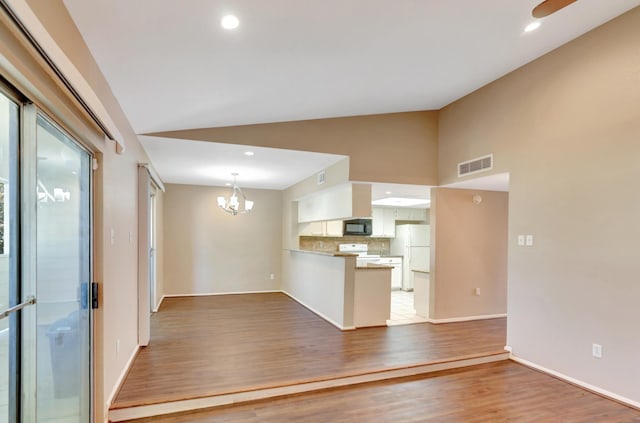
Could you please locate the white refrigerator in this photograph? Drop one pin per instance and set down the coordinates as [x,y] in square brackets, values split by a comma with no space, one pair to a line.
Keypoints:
[412,243]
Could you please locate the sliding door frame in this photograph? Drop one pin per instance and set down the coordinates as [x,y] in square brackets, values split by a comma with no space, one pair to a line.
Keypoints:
[15,294]
[23,261]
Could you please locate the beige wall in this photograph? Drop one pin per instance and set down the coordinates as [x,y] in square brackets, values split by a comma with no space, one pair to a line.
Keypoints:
[567,128]
[468,251]
[395,147]
[210,251]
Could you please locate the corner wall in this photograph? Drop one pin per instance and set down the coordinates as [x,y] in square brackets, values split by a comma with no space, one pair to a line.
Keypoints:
[469,251]
[567,128]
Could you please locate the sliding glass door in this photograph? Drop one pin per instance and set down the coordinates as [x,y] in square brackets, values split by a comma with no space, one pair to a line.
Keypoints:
[45,342]
[9,137]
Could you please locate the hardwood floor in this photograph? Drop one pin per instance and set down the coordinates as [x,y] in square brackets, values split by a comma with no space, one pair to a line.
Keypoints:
[496,392]
[204,346]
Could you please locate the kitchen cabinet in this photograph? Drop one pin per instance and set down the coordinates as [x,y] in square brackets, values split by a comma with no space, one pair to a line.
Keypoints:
[396,272]
[410,214]
[331,228]
[384,222]
[311,229]
[339,202]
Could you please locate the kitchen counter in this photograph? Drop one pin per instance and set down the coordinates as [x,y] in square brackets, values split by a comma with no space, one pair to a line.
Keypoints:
[372,266]
[325,253]
[332,285]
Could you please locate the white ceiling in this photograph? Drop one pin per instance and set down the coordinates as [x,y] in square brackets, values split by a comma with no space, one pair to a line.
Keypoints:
[171,66]
[210,163]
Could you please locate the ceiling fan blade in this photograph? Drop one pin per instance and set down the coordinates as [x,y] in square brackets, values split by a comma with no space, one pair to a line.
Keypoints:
[547,7]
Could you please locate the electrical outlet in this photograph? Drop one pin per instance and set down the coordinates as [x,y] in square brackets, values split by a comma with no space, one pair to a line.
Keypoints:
[521,240]
[113,236]
[118,346]
[272,276]
[130,237]
[529,240]
[596,350]
[477,291]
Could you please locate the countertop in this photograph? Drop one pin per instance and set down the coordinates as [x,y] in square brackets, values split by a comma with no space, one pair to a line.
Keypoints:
[372,266]
[324,253]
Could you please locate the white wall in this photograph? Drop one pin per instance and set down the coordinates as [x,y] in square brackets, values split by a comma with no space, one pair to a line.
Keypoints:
[323,283]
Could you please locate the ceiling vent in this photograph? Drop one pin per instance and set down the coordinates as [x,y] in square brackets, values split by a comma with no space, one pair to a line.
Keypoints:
[480,164]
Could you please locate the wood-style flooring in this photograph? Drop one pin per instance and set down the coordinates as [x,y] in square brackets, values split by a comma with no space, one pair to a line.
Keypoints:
[498,392]
[205,346]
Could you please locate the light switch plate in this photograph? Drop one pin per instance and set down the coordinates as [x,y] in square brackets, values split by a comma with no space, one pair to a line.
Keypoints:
[596,350]
[521,240]
[529,240]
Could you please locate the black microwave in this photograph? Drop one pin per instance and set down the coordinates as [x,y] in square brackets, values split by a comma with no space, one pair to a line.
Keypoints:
[357,227]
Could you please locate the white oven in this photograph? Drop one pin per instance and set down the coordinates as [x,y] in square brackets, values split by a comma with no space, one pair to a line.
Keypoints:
[362,250]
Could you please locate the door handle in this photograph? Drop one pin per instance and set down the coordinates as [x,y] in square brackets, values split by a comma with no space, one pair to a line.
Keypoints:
[30,301]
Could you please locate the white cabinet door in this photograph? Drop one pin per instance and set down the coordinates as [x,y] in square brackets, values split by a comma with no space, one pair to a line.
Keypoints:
[311,229]
[389,223]
[384,222]
[377,221]
[333,228]
[411,215]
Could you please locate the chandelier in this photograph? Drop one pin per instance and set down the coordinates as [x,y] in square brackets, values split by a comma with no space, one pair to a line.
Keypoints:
[232,206]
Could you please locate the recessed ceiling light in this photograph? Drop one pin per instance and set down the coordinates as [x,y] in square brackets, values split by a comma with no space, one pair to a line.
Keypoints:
[248,153]
[230,22]
[532,26]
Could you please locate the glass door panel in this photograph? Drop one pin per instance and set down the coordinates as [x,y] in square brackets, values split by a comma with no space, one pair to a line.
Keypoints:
[62,333]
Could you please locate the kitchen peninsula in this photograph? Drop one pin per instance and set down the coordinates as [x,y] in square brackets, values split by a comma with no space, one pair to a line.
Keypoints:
[333,286]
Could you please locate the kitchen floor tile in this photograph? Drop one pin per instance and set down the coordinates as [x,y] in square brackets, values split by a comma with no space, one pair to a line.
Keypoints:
[402,311]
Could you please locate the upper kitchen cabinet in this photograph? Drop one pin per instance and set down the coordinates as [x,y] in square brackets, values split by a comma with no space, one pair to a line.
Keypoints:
[312,228]
[331,228]
[384,222]
[411,215]
[337,203]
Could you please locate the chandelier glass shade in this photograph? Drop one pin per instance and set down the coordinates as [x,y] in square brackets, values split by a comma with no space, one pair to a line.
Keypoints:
[232,205]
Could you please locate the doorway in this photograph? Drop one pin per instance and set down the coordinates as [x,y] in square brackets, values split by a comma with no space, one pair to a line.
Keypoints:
[45,268]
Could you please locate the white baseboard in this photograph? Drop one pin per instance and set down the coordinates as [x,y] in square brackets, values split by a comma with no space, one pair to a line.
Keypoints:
[599,391]
[467,318]
[208,294]
[313,310]
[157,307]
[119,382]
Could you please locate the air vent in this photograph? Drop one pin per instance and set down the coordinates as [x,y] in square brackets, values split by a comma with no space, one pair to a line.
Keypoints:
[480,164]
[322,177]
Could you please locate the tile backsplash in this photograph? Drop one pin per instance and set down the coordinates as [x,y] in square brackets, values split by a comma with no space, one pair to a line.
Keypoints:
[321,243]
